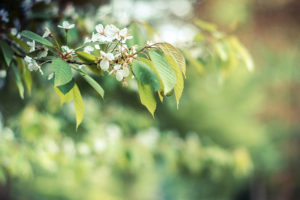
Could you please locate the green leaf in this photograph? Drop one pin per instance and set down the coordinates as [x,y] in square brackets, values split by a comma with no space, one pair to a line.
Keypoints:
[173,52]
[147,97]
[7,52]
[177,62]
[145,74]
[94,84]
[165,72]
[19,42]
[64,97]
[63,72]
[26,75]
[36,37]
[66,87]
[18,81]
[78,103]
[86,56]
[138,35]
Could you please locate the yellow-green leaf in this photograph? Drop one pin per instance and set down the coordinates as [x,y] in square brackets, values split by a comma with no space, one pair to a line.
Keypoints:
[26,75]
[176,63]
[147,97]
[64,97]
[164,71]
[78,103]
[18,81]
[170,50]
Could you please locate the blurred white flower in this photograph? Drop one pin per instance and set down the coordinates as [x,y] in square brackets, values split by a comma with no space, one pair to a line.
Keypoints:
[4,15]
[100,29]
[31,45]
[106,57]
[69,147]
[88,49]
[66,25]
[13,31]
[97,46]
[46,33]
[99,145]
[43,53]
[67,50]
[123,35]
[3,73]
[32,64]
[83,149]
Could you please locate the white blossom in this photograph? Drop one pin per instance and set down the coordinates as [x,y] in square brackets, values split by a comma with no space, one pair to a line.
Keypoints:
[31,45]
[43,53]
[98,38]
[4,15]
[86,40]
[123,35]
[88,49]
[97,46]
[46,33]
[32,64]
[100,29]
[111,32]
[67,50]
[14,31]
[106,57]
[66,25]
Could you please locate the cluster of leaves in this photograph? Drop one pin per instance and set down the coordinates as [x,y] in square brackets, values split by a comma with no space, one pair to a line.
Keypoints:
[157,67]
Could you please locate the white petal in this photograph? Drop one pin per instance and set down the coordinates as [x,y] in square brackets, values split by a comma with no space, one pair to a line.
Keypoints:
[100,28]
[123,32]
[104,64]
[117,67]
[103,53]
[119,75]
[110,56]
[97,46]
[125,72]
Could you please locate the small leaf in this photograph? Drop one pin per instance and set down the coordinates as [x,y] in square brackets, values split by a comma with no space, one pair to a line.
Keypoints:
[94,84]
[86,56]
[26,75]
[78,103]
[63,72]
[36,37]
[18,81]
[7,52]
[66,87]
[145,74]
[19,42]
[165,72]
[247,59]
[147,97]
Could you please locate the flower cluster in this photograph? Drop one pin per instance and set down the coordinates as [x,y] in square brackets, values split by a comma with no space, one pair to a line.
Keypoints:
[116,57]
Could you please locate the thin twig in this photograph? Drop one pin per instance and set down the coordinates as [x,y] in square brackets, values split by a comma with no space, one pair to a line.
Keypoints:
[68,61]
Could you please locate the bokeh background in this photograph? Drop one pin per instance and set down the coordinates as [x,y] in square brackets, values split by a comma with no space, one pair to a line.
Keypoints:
[236,137]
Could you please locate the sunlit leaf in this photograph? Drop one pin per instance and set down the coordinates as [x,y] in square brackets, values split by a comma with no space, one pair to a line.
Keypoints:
[177,62]
[64,97]
[86,57]
[78,103]
[147,97]
[165,72]
[145,74]
[193,62]
[63,72]
[36,37]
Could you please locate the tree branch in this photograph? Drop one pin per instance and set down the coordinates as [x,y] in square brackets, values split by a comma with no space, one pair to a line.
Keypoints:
[68,61]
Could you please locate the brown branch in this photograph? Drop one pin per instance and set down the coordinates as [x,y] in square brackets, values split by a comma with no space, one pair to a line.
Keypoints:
[68,61]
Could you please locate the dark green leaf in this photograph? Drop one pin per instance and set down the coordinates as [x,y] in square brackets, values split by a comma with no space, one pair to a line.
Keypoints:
[63,72]
[36,37]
